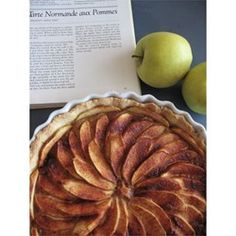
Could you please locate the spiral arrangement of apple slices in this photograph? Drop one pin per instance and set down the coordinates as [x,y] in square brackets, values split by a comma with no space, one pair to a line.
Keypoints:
[115,171]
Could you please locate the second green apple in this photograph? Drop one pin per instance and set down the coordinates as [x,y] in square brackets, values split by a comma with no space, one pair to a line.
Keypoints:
[162,59]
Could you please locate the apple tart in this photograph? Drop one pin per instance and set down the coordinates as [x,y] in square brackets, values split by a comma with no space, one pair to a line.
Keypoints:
[115,166]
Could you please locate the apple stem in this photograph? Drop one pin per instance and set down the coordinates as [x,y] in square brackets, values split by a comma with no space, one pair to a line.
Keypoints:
[136,56]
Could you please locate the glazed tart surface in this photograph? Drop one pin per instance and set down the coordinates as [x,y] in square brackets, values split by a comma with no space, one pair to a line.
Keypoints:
[114,166]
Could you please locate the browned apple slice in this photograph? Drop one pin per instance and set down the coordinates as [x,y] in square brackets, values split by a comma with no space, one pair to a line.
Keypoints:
[100,162]
[114,147]
[34,231]
[166,138]
[189,139]
[181,226]
[54,224]
[85,191]
[148,165]
[86,208]
[135,226]
[146,112]
[194,200]
[137,154]
[46,204]
[192,185]
[158,183]
[54,233]
[65,158]
[149,220]
[116,153]
[85,226]
[53,189]
[188,156]
[153,132]
[160,161]
[134,130]
[54,207]
[186,170]
[48,146]
[100,130]
[149,205]
[84,169]
[75,145]
[173,147]
[169,201]
[123,219]
[155,161]
[97,110]
[86,135]
[90,174]
[118,125]
[56,172]
[111,220]
[194,218]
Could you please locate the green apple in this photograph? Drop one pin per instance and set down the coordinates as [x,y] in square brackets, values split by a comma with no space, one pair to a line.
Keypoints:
[194,88]
[162,59]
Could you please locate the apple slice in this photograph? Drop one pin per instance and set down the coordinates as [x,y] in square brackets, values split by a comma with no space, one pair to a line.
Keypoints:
[114,147]
[135,226]
[46,204]
[137,154]
[119,124]
[84,169]
[86,135]
[100,162]
[181,226]
[134,130]
[100,130]
[152,207]
[75,145]
[57,172]
[166,138]
[87,225]
[57,224]
[53,233]
[111,221]
[194,217]
[169,201]
[160,161]
[116,153]
[153,132]
[123,219]
[53,189]
[65,157]
[158,183]
[191,185]
[186,170]
[149,220]
[173,147]
[150,164]
[54,207]
[146,112]
[188,156]
[85,191]
[184,135]
[48,146]
[97,110]
[90,174]
[194,200]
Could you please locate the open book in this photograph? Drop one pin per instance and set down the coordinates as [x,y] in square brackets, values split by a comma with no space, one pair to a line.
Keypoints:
[79,47]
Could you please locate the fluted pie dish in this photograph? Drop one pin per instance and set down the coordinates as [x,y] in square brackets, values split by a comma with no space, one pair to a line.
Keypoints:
[118,165]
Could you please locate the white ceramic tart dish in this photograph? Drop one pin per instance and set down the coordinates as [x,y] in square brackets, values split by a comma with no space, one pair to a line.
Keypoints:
[118,164]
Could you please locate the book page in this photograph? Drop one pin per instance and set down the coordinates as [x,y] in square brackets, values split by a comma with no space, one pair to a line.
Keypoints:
[80,47]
